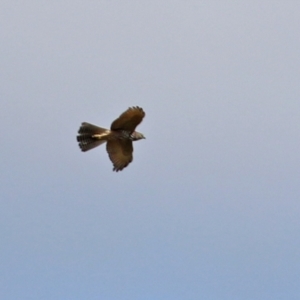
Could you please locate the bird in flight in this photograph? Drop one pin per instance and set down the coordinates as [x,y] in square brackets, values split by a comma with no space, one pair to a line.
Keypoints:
[118,139]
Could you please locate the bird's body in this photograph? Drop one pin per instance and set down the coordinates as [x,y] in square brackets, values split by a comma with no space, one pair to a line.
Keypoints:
[119,137]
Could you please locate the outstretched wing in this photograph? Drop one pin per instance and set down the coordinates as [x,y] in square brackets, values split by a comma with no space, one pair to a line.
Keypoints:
[120,153]
[129,119]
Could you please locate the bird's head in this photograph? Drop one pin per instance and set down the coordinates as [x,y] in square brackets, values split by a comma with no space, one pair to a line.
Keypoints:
[135,136]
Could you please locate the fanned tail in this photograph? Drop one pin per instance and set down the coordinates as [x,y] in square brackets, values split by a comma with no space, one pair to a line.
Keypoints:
[91,136]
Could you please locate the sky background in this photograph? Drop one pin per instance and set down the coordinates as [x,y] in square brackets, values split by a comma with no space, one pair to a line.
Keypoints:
[209,208]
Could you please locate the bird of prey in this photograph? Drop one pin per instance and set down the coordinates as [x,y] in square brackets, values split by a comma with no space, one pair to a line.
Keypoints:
[118,139]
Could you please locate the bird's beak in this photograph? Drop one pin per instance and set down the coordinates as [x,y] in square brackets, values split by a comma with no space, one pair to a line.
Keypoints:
[144,137]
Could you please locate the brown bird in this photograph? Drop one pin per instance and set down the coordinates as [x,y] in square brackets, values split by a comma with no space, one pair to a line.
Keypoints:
[119,138]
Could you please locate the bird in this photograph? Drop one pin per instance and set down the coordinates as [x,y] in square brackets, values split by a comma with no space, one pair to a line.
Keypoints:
[118,138]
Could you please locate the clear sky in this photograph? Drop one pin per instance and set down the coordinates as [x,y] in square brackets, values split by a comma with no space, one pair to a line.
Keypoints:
[209,208]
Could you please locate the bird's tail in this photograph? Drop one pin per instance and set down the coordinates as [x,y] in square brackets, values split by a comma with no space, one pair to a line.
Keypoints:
[91,136]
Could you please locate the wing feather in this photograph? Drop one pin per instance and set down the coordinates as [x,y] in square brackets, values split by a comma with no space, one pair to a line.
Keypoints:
[129,119]
[120,153]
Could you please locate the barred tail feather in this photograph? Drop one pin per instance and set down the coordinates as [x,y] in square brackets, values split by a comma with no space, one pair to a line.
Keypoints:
[91,136]
[87,128]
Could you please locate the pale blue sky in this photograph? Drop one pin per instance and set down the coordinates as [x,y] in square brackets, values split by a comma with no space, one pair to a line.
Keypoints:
[209,208]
